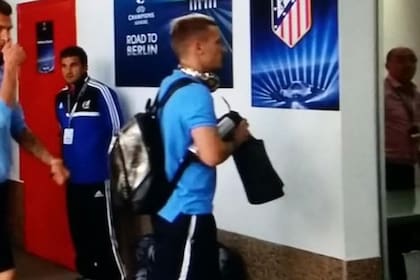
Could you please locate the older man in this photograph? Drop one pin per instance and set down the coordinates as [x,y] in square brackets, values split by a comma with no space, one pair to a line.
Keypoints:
[402,119]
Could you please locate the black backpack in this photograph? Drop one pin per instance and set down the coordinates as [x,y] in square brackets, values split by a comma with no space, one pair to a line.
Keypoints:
[137,162]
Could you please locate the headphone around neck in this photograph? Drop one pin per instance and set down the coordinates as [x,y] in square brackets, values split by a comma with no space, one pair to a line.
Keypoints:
[211,80]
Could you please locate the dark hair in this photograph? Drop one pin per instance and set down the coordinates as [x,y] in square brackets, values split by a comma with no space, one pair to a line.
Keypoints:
[185,27]
[75,51]
[5,8]
[390,54]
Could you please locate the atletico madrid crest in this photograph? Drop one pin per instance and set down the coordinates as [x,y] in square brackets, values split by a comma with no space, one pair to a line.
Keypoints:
[291,20]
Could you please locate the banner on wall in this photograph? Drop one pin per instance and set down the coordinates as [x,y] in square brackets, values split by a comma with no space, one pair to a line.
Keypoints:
[143,54]
[295,54]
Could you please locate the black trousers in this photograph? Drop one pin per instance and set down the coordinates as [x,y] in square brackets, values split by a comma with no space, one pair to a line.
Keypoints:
[401,237]
[87,214]
[399,176]
[186,249]
[6,257]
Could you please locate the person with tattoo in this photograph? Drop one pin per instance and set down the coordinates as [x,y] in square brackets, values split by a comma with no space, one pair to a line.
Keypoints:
[12,125]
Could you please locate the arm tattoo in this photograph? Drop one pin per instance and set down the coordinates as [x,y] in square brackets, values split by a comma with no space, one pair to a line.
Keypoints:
[32,144]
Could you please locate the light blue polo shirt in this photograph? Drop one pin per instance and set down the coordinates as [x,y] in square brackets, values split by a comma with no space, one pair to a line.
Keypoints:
[189,107]
[11,125]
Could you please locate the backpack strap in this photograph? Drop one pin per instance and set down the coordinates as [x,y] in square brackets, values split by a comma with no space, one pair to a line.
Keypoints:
[158,104]
[171,90]
[188,158]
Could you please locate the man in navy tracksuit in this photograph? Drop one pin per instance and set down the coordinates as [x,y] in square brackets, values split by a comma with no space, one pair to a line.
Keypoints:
[89,114]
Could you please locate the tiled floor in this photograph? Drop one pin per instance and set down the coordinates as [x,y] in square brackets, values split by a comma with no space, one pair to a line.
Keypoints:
[33,268]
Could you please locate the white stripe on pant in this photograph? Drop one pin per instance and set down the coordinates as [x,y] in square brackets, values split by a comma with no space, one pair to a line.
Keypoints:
[187,251]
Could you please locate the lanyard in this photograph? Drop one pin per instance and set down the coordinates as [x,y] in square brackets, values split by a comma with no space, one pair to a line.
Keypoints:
[79,95]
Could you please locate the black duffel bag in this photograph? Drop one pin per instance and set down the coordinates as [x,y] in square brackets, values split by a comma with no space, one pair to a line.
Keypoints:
[261,182]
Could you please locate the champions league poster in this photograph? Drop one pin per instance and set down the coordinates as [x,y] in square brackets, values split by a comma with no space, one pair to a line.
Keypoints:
[295,54]
[143,54]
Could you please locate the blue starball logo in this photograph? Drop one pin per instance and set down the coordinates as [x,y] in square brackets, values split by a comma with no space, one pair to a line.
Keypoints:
[140,9]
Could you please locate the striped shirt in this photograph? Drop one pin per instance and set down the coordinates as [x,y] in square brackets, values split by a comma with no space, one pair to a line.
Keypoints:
[92,113]
[402,113]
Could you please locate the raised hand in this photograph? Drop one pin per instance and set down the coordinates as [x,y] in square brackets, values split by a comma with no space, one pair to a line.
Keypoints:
[241,133]
[13,55]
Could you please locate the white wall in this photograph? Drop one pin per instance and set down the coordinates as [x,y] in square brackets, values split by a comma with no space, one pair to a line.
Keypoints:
[401,23]
[359,128]
[327,159]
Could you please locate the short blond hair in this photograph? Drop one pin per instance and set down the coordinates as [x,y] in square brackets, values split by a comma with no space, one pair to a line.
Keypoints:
[185,27]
